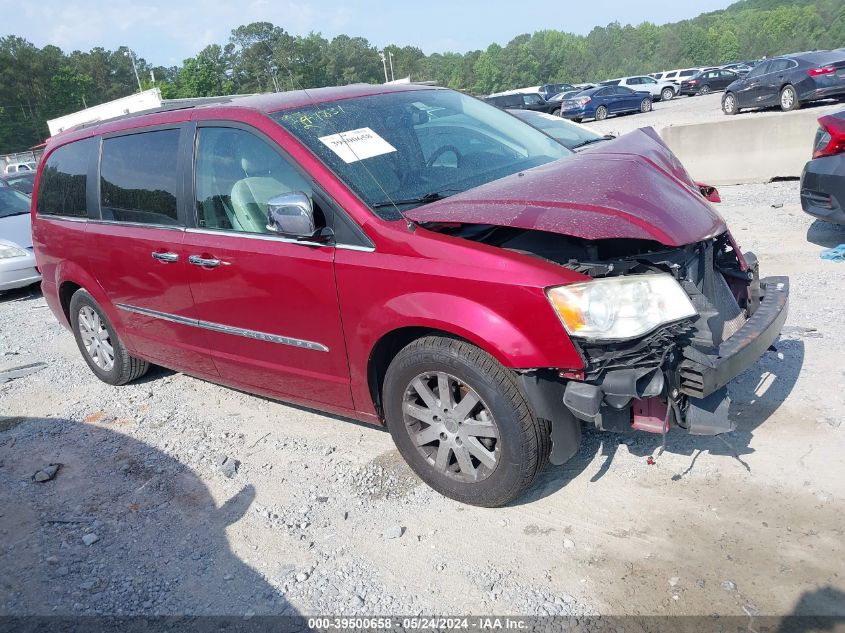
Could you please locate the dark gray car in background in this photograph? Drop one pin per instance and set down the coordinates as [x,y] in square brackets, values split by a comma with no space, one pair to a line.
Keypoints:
[823,179]
[788,81]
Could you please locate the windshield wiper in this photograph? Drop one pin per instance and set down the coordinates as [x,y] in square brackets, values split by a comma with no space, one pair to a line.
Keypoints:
[429,197]
[606,137]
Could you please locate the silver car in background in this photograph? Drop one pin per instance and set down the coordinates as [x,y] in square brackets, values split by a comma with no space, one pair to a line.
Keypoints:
[17,262]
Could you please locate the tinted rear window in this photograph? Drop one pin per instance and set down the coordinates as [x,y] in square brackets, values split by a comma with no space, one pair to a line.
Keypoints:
[138,179]
[64,180]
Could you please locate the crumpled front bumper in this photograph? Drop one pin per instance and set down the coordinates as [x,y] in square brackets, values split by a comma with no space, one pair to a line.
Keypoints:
[702,374]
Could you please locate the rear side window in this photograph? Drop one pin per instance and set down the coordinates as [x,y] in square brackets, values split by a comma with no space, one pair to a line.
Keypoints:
[64,180]
[138,177]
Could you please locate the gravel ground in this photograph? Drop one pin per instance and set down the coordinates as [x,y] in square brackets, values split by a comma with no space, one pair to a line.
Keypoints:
[177,496]
[701,109]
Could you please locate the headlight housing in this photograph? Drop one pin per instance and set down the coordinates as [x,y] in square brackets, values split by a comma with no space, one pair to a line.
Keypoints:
[7,251]
[619,308]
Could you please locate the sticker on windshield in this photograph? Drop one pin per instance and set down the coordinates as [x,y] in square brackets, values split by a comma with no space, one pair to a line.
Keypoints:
[356,145]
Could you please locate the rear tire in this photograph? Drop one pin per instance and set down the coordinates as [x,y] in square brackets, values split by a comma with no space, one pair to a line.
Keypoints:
[704,90]
[729,104]
[601,113]
[100,345]
[480,444]
[789,99]
[577,119]
[667,94]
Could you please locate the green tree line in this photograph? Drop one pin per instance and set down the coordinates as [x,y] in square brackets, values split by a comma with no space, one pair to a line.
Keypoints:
[37,84]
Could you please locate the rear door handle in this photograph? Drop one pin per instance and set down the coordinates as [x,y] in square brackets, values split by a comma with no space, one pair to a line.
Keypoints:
[167,258]
[196,260]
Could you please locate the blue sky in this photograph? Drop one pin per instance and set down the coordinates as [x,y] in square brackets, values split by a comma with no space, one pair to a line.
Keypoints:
[167,31]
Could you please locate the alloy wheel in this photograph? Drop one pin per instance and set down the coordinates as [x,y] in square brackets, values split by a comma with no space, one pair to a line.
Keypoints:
[704,90]
[645,106]
[95,338]
[601,113]
[451,426]
[668,94]
[730,104]
[787,99]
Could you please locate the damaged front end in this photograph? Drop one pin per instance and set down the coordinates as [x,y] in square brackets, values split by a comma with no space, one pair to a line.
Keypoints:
[675,374]
[642,223]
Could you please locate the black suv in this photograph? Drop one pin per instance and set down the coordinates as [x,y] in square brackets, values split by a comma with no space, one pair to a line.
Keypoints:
[524,101]
[547,91]
[788,81]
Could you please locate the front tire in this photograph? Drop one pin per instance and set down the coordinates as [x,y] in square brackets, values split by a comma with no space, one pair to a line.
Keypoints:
[461,422]
[601,113]
[667,94]
[556,112]
[789,99]
[729,104]
[100,345]
[645,105]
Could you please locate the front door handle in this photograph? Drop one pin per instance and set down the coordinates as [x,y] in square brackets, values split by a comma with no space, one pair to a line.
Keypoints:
[167,258]
[196,260]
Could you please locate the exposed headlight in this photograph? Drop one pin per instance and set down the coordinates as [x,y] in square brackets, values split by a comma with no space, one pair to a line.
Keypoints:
[617,308]
[7,251]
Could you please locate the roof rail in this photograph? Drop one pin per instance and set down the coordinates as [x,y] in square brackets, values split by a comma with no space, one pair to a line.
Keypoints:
[167,105]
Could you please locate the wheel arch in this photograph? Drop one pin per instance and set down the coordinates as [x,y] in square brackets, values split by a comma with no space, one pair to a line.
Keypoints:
[386,349]
[71,277]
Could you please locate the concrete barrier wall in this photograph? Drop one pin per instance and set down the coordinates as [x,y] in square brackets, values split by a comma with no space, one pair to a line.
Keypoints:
[744,149]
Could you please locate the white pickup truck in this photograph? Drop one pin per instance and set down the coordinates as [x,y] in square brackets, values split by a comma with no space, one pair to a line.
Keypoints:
[660,90]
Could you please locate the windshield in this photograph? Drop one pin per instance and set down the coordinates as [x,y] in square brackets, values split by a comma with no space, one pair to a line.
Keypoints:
[410,148]
[13,202]
[570,134]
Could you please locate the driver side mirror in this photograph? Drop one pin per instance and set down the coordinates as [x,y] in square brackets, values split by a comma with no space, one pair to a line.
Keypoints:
[292,215]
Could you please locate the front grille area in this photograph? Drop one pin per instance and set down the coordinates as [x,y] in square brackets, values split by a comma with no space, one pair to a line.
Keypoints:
[648,351]
[698,269]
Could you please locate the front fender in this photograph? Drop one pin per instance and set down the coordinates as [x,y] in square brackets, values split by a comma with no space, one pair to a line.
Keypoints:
[512,343]
[520,332]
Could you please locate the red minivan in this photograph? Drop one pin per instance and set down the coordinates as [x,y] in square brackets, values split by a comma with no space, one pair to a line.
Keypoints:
[407,256]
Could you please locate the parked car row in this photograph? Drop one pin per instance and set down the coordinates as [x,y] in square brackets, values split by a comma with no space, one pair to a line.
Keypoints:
[406,256]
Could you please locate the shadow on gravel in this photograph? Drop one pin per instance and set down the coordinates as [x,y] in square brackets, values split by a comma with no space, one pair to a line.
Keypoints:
[755,395]
[826,234]
[122,529]
[21,294]
[819,610]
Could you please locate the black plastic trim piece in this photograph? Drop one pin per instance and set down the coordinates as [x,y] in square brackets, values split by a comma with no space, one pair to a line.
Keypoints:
[702,374]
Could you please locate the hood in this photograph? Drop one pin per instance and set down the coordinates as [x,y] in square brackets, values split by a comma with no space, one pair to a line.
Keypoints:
[631,187]
[17,229]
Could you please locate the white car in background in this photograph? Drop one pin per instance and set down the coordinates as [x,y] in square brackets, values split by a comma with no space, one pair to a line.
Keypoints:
[660,90]
[17,262]
[679,75]
[16,168]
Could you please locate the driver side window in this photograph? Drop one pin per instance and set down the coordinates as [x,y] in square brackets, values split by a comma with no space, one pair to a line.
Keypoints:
[237,173]
[760,69]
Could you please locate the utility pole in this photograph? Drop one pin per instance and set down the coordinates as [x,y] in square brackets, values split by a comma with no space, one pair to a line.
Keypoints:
[384,63]
[131,55]
[390,56]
